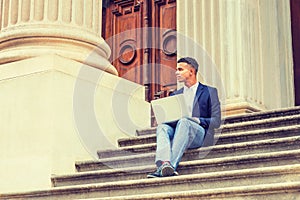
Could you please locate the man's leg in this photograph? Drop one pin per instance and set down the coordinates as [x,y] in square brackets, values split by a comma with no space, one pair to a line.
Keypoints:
[188,134]
[164,136]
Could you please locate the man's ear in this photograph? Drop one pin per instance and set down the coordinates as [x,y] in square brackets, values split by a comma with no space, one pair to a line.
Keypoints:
[192,71]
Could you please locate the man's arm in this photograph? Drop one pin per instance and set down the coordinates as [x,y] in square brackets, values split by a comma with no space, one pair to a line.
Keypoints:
[215,111]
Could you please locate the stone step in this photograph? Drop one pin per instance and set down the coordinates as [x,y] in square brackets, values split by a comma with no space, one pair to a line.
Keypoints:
[224,179]
[245,125]
[146,148]
[277,132]
[244,118]
[130,159]
[261,124]
[274,191]
[185,167]
[263,115]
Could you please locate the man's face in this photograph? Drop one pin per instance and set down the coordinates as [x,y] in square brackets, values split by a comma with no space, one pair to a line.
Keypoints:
[183,72]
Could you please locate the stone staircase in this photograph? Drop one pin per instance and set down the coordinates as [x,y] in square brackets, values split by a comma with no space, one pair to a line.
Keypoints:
[256,156]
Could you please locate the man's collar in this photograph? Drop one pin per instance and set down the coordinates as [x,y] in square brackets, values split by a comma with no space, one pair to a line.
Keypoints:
[193,87]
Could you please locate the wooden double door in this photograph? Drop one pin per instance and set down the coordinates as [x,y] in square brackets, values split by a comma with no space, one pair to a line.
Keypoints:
[295,19]
[142,37]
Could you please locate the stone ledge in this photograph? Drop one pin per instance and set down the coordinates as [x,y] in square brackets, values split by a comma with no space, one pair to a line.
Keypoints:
[146,148]
[263,191]
[232,121]
[218,151]
[235,178]
[263,114]
[151,138]
[185,167]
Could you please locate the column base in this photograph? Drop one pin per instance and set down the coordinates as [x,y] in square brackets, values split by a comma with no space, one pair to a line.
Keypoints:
[66,41]
[241,107]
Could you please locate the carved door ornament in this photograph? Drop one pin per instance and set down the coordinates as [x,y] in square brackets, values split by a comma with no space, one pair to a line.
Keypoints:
[127,52]
[169,42]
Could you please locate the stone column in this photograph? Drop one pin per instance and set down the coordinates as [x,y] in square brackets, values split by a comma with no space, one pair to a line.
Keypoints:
[248,42]
[71,29]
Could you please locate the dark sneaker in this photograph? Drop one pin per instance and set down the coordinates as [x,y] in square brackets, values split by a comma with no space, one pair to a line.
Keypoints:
[155,174]
[167,170]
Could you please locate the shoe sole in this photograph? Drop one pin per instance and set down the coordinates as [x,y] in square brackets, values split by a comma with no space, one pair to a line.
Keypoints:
[167,171]
[152,176]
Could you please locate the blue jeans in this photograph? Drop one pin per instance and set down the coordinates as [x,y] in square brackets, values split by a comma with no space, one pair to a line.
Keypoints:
[173,141]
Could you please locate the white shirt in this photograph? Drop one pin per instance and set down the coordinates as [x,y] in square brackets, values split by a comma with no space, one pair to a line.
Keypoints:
[189,94]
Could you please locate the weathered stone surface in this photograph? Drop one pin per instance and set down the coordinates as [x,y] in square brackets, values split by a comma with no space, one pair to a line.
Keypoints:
[185,167]
[224,137]
[248,163]
[224,179]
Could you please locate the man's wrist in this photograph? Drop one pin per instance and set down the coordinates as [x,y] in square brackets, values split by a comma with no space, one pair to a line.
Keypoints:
[196,119]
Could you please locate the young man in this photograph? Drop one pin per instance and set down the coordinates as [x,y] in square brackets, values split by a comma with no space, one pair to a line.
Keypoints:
[197,131]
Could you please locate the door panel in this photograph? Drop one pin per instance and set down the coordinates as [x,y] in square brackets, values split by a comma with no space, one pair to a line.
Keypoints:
[121,26]
[122,19]
[164,16]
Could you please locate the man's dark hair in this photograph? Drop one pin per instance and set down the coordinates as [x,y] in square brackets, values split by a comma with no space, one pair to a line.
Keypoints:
[190,61]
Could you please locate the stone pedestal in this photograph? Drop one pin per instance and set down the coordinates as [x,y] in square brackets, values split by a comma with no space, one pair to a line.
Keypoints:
[60,98]
[248,45]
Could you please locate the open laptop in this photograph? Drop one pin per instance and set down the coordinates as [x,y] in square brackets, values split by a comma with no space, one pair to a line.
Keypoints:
[169,109]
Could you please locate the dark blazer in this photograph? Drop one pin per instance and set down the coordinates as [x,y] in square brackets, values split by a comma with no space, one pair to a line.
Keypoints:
[207,109]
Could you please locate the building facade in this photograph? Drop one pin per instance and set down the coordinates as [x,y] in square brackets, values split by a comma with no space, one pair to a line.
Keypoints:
[63,97]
